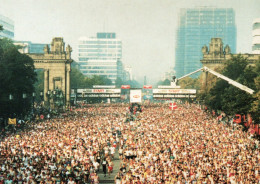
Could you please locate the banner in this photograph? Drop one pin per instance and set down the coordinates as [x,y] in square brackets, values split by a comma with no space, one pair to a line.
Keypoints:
[136,96]
[12,121]
[99,90]
[174,91]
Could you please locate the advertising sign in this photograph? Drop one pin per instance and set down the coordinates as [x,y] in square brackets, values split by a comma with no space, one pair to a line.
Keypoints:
[147,86]
[136,96]
[125,87]
[99,90]
[175,91]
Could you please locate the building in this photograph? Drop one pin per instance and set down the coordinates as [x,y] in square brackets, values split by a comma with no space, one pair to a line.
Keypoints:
[256,36]
[8,26]
[217,54]
[29,47]
[128,73]
[196,27]
[101,55]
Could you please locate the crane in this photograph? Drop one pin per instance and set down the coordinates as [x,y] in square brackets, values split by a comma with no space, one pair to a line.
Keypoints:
[230,81]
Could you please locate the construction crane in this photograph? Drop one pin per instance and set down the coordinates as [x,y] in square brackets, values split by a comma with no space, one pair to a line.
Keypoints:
[230,81]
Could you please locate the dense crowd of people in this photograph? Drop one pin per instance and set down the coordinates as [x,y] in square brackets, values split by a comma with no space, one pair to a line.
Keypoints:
[160,146]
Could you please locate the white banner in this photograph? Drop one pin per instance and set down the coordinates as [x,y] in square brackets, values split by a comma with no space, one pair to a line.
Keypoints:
[174,91]
[99,90]
[136,96]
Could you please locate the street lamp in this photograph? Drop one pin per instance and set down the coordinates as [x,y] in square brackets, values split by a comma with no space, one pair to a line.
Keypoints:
[33,96]
[11,97]
[48,95]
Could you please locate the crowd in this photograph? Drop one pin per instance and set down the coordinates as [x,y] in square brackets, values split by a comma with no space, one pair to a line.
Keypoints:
[64,150]
[160,146]
[187,146]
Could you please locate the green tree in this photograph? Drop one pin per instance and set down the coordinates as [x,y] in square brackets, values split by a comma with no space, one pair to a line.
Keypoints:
[255,109]
[39,85]
[119,82]
[77,79]
[166,82]
[228,98]
[190,83]
[99,80]
[17,77]
[133,84]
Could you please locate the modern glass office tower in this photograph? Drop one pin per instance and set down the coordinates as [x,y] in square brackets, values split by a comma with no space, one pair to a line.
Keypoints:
[196,27]
[8,26]
[101,55]
[256,36]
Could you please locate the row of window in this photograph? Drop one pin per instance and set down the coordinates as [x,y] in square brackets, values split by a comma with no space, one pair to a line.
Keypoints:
[256,47]
[101,63]
[92,59]
[6,25]
[99,42]
[100,55]
[98,72]
[101,50]
[98,67]
[9,33]
[100,46]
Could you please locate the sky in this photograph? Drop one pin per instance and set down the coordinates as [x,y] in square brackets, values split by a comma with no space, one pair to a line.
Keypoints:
[147,28]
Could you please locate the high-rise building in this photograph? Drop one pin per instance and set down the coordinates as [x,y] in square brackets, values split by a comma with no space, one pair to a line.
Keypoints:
[196,27]
[29,47]
[8,26]
[256,36]
[101,55]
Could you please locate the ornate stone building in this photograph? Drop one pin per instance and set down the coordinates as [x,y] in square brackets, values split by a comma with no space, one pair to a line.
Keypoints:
[216,55]
[56,62]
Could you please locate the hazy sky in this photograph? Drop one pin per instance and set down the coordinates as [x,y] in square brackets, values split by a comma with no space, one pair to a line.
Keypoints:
[147,28]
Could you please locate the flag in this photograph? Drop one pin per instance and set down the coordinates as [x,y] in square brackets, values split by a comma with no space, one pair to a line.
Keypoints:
[173,106]
[12,121]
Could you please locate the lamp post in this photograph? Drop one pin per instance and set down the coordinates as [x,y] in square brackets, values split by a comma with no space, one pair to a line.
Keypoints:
[11,97]
[48,95]
[33,97]
[24,97]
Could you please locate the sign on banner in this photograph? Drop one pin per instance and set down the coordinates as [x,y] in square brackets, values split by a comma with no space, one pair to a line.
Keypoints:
[135,96]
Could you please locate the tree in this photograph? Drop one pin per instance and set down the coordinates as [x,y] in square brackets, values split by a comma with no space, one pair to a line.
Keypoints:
[119,82]
[133,84]
[166,82]
[228,98]
[39,85]
[1,28]
[190,83]
[255,109]
[77,79]
[17,77]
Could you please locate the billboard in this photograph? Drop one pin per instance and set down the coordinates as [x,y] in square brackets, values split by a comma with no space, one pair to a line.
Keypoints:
[99,90]
[175,91]
[136,96]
